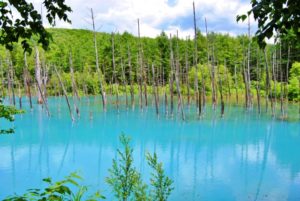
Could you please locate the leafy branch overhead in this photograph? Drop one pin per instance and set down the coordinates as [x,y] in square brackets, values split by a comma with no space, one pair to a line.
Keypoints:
[280,16]
[29,23]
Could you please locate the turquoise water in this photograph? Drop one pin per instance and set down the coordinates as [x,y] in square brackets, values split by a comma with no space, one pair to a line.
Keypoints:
[240,157]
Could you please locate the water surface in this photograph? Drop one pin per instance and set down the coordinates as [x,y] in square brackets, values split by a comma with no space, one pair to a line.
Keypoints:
[242,156]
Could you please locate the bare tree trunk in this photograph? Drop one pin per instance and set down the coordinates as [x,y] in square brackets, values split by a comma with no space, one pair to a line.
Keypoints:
[140,62]
[65,93]
[258,82]
[268,85]
[165,93]
[155,90]
[27,80]
[187,77]
[287,80]
[281,84]
[177,80]
[273,92]
[124,82]
[38,75]
[248,68]
[103,94]
[115,80]
[214,90]
[221,93]
[130,77]
[236,87]
[171,76]
[198,104]
[20,96]
[74,87]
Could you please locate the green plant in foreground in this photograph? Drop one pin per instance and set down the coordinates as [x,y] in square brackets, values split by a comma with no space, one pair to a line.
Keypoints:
[63,190]
[8,112]
[126,180]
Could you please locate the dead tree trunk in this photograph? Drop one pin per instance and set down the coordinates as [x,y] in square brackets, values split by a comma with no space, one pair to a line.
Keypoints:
[235,86]
[198,104]
[74,87]
[124,82]
[38,75]
[258,82]
[103,93]
[20,96]
[187,77]
[221,93]
[27,80]
[65,93]
[249,104]
[171,76]
[268,85]
[130,78]
[140,62]
[177,80]
[154,86]
[115,80]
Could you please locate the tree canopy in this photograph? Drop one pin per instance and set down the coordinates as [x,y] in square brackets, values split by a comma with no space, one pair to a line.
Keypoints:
[280,16]
[14,28]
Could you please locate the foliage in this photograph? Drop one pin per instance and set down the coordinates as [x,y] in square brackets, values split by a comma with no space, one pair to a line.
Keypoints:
[294,82]
[124,178]
[8,112]
[278,16]
[67,189]
[29,23]
[127,183]
[161,183]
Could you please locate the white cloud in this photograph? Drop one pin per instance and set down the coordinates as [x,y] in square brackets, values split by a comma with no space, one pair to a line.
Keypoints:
[157,15]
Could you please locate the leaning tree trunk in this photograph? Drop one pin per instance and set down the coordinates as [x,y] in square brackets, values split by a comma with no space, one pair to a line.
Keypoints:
[65,93]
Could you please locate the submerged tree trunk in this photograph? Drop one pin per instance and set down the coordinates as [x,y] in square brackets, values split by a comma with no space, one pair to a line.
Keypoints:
[115,80]
[130,78]
[74,87]
[171,76]
[65,93]
[258,83]
[268,85]
[154,86]
[103,93]
[27,80]
[38,76]
[198,104]
[235,86]
[177,80]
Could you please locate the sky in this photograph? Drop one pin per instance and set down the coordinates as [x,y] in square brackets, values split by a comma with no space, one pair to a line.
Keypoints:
[157,15]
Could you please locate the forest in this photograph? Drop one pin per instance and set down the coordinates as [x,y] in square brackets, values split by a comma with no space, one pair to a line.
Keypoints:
[233,67]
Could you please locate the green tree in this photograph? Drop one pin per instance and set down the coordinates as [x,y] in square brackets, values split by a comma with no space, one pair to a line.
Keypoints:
[274,16]
[29,23]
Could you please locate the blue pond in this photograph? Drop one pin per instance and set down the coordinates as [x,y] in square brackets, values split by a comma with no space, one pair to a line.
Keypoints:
[242,156]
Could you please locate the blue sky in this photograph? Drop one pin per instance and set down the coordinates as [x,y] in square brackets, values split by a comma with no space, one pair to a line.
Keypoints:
[158,15]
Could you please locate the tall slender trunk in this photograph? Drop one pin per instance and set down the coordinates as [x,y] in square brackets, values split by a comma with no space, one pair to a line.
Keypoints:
[177,79]
[248,68]
[268,85]
[115,80]
[130,77]
[65,93]
[103,93]
[38,75]
[154,86]
[140,62]
[235,86]
[74,87]
[258,82]
[124,82]
[27,80]
[171,76]
[187,77]
[221,93]
[198,104]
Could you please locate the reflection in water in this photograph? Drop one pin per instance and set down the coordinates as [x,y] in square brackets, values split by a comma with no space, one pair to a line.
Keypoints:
[240,157]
